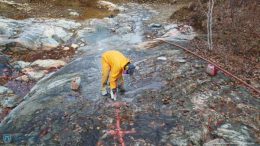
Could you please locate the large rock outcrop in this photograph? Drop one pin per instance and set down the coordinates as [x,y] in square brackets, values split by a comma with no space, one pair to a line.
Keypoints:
[35,33]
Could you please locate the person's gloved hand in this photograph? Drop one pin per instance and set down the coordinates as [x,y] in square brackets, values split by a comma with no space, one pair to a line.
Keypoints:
[121,89]
[113,94]
[104,91]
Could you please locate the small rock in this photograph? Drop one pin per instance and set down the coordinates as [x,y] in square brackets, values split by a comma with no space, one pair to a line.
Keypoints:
[185,29]
[24,78]
[21,64]
[32,140]
[145,19]
[5,70]
[4,90]
[162,58]
[75,46]
[155,25]
[76,14]
[47,137]
[4,59]
[75,83]
[66,48]
[180,60]
[28,69]
[82,45]
[215,142]
[10,102]
[191,87]
[198,65]
[1,113]
[255,83]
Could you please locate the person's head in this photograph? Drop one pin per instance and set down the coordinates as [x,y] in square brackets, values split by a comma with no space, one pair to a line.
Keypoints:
[129,69]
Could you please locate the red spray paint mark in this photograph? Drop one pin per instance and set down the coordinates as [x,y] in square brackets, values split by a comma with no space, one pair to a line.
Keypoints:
[118,133]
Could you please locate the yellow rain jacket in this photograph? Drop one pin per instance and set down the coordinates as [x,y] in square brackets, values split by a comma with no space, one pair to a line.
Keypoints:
[113,63]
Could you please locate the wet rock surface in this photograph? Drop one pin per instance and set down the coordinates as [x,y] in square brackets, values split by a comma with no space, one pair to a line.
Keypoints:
[4,90]
[35,33]
[170,100]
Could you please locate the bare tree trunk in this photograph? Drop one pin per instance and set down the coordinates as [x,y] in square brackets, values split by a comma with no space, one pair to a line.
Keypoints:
[209,24]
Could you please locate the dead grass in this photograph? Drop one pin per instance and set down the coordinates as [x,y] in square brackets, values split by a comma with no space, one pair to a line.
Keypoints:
[236,34]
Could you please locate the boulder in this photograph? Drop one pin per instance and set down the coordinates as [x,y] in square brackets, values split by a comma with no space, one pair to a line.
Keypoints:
[42,36]
[108,5]
[49,63]
[36,33]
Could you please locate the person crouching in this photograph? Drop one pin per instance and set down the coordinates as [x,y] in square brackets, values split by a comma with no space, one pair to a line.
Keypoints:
[114,65]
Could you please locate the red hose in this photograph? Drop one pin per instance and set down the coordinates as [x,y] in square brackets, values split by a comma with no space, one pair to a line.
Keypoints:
[213,63]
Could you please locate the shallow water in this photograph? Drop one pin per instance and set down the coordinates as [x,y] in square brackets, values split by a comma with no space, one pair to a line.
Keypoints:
[53,9]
